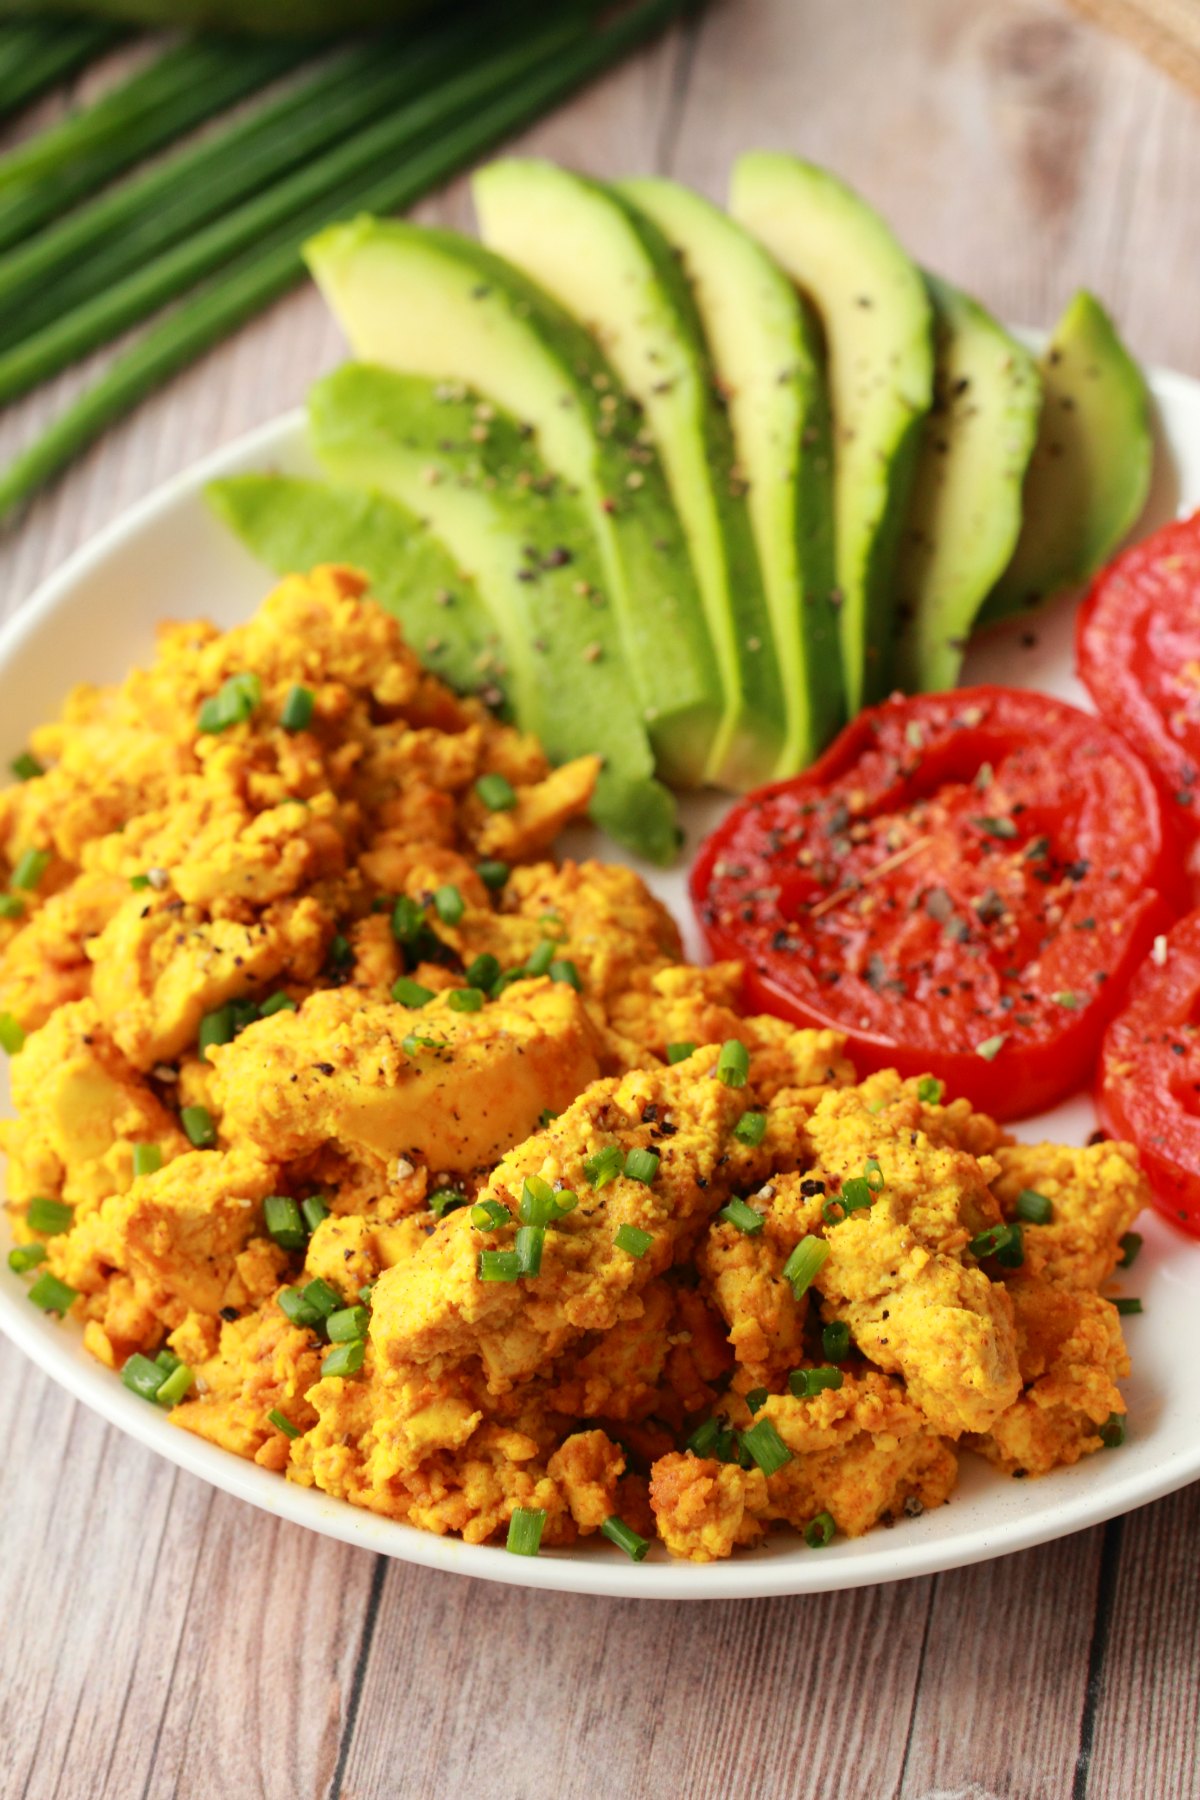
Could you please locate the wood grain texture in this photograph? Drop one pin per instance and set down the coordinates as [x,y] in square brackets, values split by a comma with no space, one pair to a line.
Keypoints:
[160,1639]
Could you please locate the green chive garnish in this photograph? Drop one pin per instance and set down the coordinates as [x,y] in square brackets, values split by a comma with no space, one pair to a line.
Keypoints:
[496,792]
[26,766]
[147,1159]
[499,1265]
[24,1257]
[11,1035]
[603,1166]
[1131,1243]
[743,1217]
[484,972]
[930,1090]
[820,1531]
[407,920]
[563,969]
[529,1244]
[411,993]
[282,1423]
[835,1340]
[537,1204]
[31,866]
[297,710]
[446,1200]
[1034,1207]
[677,1053]
[344,1359]
[633,1241]
[493,874]
[51,1294]
[295,1307]
[142,1376]
[233,704]
[703,1439]
[284,1222]
[49,1217]
[324,1299]
[448,904]
[466,999]
[540,958]
[11,906]
[751,1128]
[642,1165]
[625,1538]
[733,1064]
[313,1210]
[175,1386]
[766,1447]
[873,1176]
[1128,1306]
[347,1325]
[1112,1432]
[198,1127]
[215,1028]
[1004,1242]
[525,1531]
[805,1263]
[756,1399]
[490,1215]
[341,952]
[277,1003]
[804,1383]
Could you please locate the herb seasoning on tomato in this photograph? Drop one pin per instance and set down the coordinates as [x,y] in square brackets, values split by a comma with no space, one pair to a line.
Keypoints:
[1138,648]
[1149,1083]
[963,883]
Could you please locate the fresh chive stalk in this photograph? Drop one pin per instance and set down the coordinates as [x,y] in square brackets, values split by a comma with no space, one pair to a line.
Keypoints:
[34,57]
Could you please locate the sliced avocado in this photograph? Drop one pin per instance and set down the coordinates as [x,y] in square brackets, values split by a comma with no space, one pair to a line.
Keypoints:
[964,515]
[1089,474]
[432,303]
[768,367]
[613,270]
[292,524]
[525,541]
[878,325]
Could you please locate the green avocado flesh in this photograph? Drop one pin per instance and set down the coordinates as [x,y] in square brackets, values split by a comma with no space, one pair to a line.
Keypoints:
[1090,470]
[768,368]
[290,524]
[430,303]
[964,515]
[611,268]
[878,327]
[517,532]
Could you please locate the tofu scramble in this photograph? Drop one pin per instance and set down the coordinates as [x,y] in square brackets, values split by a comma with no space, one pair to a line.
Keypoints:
[423,1170]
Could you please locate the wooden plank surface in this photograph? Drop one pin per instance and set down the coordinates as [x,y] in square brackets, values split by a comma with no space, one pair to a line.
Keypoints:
[161,1639]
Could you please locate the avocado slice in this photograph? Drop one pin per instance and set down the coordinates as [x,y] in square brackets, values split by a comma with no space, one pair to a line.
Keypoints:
[433,303]
[294,524]
[613,270]
[522,537]
[964,516]
[878,326]
[1089,474]
[768,365]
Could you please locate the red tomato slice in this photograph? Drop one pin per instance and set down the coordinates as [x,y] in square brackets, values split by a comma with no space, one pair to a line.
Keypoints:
[1138,649]
[1149,1081]
[963,883]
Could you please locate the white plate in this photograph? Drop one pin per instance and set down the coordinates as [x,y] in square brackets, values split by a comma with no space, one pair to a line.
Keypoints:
[168,557]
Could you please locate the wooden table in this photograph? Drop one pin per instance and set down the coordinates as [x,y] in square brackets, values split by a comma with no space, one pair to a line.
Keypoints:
[158,1638]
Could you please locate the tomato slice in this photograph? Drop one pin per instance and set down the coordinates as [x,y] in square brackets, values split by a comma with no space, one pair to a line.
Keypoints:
[1138,649]
[963,884]
[1149,1081]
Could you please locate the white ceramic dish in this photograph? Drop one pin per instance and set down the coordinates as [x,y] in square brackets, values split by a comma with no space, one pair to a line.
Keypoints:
[168,557]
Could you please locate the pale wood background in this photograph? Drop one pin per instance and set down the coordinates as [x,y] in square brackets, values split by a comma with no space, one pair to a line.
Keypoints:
[157,1638]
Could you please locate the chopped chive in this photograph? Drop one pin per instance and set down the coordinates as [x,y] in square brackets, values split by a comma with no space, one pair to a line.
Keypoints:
[448,904]
[625,1538]
[297,710]
[215,1028]
[407,920]
[546,1117]
[642,1165]
[446,1200]
[1131,1243]
[284,1222]
[835,1340]
[1004,1242]
[234,703]
[804,1383]
[49,1217]
[466,999]
[733,1064]
[198,1127]
[499,1265]
[11,1035]
[174,1386]
[766,1447]
[341,952]
[563,969]
[991,1047]
[323,1299]
[632,1240]
[1112,1432]
[411,993]
[857,1193]
[1128,1306]
[51,1294]
[11,906]
[603,1166]
[31,866]
[820,1531]
[147,1159]
[23,1257]
[751,1128]
[930,1090]
[492,873]
[756,1399]
[139,883]
[344,1359]
[167,1361]
[282,1423]
[277,1003]
[366,1293]
[537,1205]
[873,1175]
[529,1243]
[142,1376]
[241,1014]
[414,1042]
[496,792]
[677,1053]
[296,1308]
[484,972]
[313,1211]
[540,958]
[347,1325]
[744,1217]
[490,1215]
[26,767]
[703,1440]
[1034,1207]
[805,1263]
[525,1531]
